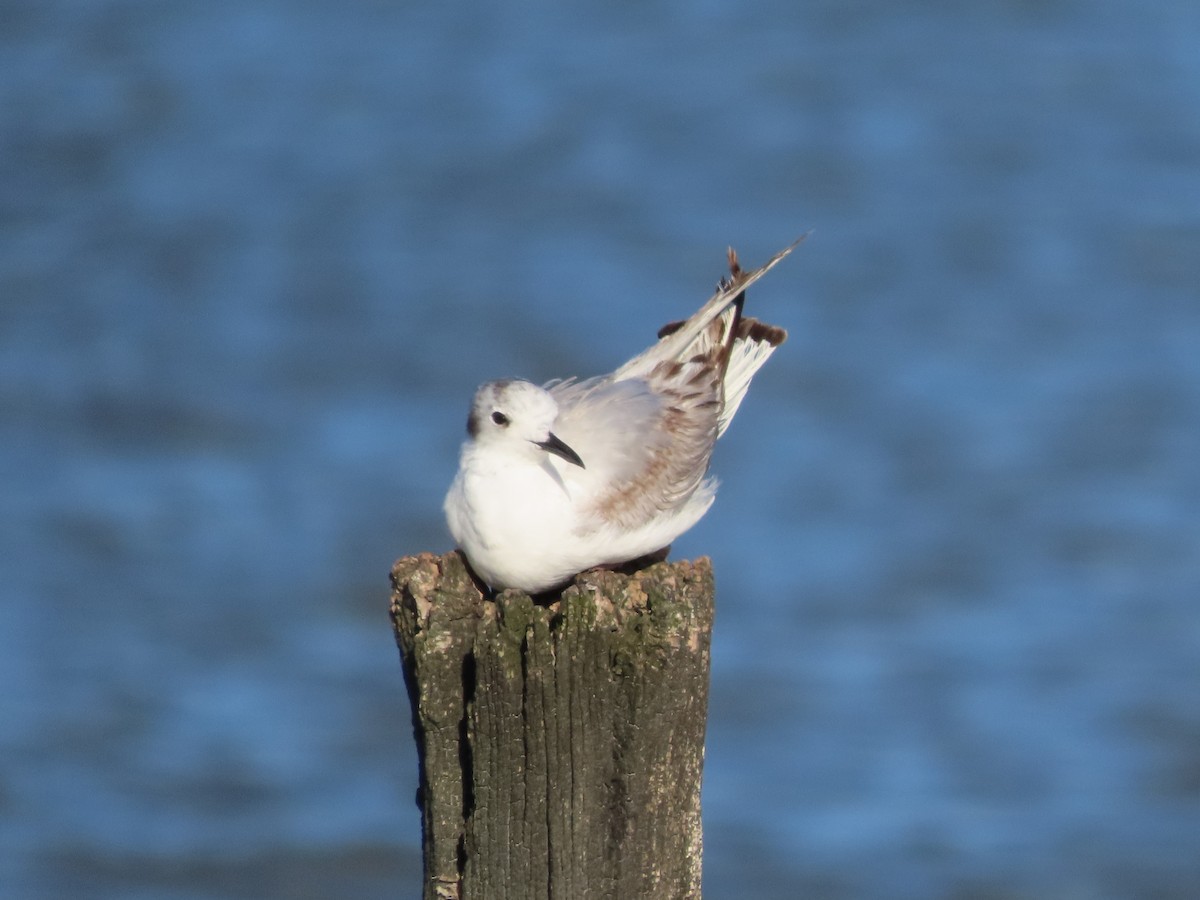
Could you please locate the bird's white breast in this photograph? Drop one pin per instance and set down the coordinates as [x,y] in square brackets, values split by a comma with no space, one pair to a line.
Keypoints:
[508,514]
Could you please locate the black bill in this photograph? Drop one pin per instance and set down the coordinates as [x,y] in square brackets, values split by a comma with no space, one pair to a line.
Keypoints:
[552,444]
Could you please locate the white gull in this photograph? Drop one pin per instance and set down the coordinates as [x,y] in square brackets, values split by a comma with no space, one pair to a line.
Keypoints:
[557,479]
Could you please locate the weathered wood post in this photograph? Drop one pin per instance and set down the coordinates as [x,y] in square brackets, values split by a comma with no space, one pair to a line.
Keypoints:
[561,743]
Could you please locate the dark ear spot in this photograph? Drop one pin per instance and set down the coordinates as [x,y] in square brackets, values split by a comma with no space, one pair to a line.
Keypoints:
[472,424]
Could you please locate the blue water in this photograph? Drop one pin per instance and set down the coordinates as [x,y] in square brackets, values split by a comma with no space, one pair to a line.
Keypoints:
[256,256]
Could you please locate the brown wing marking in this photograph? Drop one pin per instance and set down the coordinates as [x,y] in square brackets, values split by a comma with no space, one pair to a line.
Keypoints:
[682,444]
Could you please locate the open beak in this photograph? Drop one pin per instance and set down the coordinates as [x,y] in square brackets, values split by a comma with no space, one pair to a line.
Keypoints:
[552,444]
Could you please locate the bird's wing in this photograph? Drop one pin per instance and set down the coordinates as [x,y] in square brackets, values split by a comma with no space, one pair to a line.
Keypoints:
[645,442]
[646,432]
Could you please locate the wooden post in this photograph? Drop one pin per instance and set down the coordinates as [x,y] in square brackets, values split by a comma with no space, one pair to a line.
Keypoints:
[561,744]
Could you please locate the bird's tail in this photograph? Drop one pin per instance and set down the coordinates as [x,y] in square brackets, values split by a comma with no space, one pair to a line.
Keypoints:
[738,345]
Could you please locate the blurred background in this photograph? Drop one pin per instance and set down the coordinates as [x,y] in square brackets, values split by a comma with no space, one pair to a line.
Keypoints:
[256,256]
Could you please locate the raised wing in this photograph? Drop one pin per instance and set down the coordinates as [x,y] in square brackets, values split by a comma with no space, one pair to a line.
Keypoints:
[684,340]
[646,432]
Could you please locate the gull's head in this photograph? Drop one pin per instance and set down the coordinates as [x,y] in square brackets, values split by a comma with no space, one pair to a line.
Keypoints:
[517,415]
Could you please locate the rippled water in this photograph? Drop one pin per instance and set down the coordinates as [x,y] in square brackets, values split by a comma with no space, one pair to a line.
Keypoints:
[256,257]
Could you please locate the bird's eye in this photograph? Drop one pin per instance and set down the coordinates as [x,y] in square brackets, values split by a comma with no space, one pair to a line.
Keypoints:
[500,418]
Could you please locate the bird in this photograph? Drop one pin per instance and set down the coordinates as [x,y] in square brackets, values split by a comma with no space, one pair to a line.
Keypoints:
[572,475]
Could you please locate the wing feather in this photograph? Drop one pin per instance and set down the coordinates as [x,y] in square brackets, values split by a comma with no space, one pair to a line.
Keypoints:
[676,398]
[674,413]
